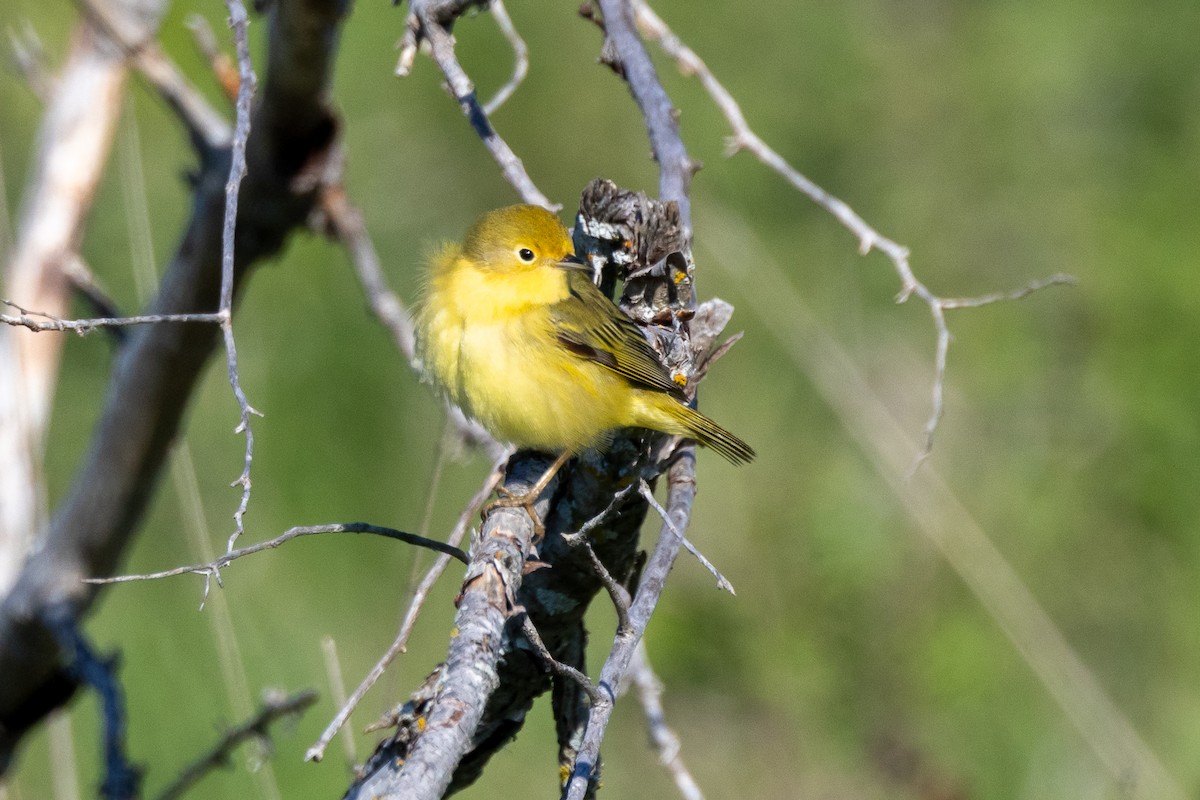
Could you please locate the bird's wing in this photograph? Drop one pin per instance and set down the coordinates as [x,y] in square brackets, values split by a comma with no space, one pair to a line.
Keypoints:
[590,326]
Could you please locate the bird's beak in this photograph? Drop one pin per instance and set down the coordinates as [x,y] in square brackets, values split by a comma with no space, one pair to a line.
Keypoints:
[574,262]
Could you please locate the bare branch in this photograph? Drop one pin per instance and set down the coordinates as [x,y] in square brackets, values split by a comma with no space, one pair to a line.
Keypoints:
[214,567]
[344,221]
[666,741]
[556,666]
[428,20]
[520,54]
[159,365]
[337,685]
[744,138]
[275,707]
[681,490]
[239,22]
[30,320]
[674,180]
[648,496]
[943,519]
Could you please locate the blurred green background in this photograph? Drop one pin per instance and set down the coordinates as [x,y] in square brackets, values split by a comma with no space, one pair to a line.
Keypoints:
[1001,142]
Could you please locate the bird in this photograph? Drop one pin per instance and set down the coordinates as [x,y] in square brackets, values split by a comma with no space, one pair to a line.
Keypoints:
[515,333]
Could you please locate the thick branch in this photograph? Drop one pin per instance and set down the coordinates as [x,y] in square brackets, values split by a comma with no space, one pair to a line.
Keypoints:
[431,741]
[158,368]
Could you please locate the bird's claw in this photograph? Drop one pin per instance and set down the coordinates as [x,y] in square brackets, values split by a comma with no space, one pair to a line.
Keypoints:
[508,499]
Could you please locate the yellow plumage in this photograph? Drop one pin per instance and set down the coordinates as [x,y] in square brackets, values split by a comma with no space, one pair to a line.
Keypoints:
[519,337]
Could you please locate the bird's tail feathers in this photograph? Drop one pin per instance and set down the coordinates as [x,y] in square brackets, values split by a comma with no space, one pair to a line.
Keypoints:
[693,424]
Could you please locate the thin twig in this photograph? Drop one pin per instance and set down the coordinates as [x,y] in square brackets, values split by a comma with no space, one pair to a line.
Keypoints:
[681,492]
[648,495]
[940,516]
[422,23]
[556,666]
[37,321]
[616,592]
[238,22]
[317,751]
[214,567]
[744,138]
[520,57]
[666,741]
[344,221]
[272,710]
[1058,279]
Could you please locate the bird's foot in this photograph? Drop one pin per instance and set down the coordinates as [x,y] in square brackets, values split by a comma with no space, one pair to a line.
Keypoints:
[508,499]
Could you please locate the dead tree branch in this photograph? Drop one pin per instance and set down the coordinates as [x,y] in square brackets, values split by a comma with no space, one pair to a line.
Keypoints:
[239,22]
[744,138]
[83,107]
[520,57]
[431,20]
[649,690]
[292,133]
[212,569]
[274,708]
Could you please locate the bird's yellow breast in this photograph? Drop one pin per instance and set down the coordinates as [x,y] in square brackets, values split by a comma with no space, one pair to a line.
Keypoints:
[488,340]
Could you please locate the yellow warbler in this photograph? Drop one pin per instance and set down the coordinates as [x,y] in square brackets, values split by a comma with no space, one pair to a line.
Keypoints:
[519,337]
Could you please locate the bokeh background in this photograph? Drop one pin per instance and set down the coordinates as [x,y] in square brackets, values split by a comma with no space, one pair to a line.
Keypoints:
[1001,142]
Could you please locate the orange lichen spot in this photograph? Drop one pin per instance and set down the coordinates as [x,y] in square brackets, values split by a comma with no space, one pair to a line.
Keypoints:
[421,724]
[680,277]
[564,774]
[680,378]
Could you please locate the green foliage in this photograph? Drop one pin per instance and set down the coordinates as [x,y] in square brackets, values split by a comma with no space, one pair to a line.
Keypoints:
[1000,142]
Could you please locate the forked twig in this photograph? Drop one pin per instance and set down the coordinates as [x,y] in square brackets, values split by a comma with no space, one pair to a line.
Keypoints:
[648,495]
[238,22]
[423,23]
[213,568]
[274,708]
[520,57]
[744,138]
[649,691]
[556,666]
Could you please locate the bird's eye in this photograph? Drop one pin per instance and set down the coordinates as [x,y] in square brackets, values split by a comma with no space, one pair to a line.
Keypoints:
[526,255]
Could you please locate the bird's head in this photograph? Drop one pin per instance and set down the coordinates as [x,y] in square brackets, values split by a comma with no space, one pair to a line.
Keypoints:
[518,238]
